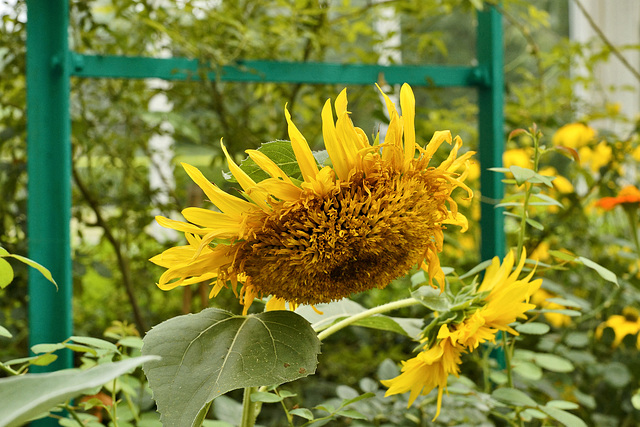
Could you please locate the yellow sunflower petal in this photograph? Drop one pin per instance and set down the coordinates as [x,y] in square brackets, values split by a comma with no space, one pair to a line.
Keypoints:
[227,203]
[408,106]
[245,181]
[268,165]
[304,156]
[334,148]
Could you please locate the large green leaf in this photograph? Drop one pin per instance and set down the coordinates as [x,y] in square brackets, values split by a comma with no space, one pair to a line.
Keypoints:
[27,396]
[210,353]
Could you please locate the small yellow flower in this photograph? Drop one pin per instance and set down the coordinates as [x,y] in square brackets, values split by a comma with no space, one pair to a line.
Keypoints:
[574,135]
[375,213]
[517,157]
[597,157]
[557,320]
[508,297]
[626,324]
[428,370]
[505,302]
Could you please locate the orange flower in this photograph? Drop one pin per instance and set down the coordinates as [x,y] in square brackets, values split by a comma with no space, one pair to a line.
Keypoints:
[629,194]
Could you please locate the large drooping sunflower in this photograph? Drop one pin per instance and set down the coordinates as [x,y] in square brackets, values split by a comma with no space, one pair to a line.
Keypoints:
[370,216]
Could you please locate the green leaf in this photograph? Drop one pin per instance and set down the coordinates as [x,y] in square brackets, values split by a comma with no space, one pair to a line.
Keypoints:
[213,352]
[46,348]
[562,255]
[431,298]
[81,348]
[606,274]
[96,343]
[552,363]
[4,332]
[44,359]
[563,404]
[535,224]
[533,328]
[353,400]
[302,412]
[385,323]
[266,397]
[478,268]
[564,417]
[522,175]
[26,396]
[351,413]
[513,397]
[46,273]
[131,342]
[282,154]
[527,370]
[6,273]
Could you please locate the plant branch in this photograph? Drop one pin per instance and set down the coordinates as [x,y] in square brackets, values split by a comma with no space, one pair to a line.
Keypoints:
[117,248]
[606,41]
[407,302]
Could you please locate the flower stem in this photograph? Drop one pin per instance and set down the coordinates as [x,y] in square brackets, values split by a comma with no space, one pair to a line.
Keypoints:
[632,216]
[407,302]
[248,408]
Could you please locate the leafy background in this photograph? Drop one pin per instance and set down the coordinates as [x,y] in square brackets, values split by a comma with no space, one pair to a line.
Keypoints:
[113,204]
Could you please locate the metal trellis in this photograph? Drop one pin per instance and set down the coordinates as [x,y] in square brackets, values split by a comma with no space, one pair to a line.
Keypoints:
[51,64]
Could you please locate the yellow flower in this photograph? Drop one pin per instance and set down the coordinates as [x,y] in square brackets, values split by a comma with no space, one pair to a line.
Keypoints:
[626,324]
[508,297]
[428,370]
[560,183]
[558,320]
[505,302]
[342,229]
[517,157]
[574,135]
[597,158]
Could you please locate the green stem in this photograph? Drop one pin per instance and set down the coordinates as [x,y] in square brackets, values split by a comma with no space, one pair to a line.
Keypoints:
[527,194]
[248,408]
[632,216]
[8,370]
[407,302]
[73,414]
[507,358]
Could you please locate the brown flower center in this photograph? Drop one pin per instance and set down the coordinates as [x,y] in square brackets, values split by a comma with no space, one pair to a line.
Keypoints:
[362,235]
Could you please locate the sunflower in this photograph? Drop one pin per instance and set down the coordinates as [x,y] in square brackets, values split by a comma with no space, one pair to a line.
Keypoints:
[505,300]
[374,213]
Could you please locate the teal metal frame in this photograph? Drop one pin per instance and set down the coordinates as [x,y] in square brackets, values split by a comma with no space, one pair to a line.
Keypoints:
[50,65]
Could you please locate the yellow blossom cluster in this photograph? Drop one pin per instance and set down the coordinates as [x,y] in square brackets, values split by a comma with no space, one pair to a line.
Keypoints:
[506,300]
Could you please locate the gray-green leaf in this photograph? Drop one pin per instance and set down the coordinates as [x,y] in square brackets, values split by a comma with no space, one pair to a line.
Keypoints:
[210,353]
[26,396]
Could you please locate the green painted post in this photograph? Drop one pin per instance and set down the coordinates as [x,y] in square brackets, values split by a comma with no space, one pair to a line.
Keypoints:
[49,166]
[491,131]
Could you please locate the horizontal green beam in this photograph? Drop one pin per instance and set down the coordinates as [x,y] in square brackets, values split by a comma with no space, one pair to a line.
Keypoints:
[127,67]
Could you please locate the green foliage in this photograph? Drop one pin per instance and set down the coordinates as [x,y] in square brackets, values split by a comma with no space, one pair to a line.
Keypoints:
[555,367]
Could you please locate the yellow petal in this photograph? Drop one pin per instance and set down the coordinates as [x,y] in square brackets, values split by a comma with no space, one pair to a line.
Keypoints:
[304,156]
[282,190]
[179,225]
[438,138]
[331,142]
[227,203]
[245,181]
[408,106]
[212,220]
[268,165]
